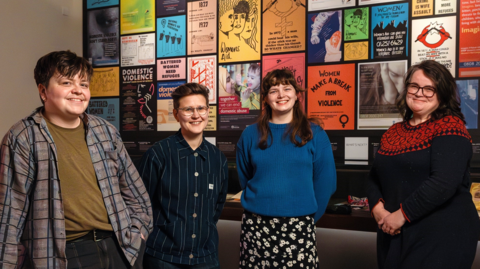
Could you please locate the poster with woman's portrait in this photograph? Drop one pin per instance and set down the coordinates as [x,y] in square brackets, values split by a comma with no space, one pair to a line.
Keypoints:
[379,86]
[325,37]
[356,24]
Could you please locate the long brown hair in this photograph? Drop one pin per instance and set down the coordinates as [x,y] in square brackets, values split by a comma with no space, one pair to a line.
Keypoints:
[446,91]
[300,124]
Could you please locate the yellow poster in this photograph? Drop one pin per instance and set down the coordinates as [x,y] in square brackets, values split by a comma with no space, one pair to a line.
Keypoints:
[422,8]
[238,30]
[356,51]
[285,30]
[212,119]
[137,16]
[105,82]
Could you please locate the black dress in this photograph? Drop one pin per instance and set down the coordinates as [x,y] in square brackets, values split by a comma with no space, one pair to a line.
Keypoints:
[424,170]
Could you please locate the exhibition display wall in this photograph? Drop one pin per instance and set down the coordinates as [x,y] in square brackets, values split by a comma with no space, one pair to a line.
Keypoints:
[349,55]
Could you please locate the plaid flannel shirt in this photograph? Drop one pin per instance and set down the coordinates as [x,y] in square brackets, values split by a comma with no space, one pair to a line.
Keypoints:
[32,224]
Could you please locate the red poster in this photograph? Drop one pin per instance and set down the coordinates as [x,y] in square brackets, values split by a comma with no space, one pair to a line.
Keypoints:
[469,45]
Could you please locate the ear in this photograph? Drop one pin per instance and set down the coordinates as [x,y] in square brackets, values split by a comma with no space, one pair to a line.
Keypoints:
[42,92]
[175,114]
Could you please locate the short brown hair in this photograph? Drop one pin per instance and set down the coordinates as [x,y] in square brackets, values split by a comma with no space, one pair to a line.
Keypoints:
[188,89]
[65,63]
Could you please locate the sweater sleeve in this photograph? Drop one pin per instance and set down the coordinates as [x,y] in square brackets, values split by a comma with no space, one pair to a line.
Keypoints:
[324,172]
[450,157]
[374,193]
[244,167]
[222,197]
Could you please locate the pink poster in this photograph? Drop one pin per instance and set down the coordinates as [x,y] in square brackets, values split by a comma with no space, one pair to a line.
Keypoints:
[171,69]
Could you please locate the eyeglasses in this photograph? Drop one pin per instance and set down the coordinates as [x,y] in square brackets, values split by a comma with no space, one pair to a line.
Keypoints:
[428,91]
[188,111]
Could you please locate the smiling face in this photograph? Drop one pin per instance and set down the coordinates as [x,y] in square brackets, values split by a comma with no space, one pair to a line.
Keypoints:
[192,126]
[281,99]
[65,99]
[420,105]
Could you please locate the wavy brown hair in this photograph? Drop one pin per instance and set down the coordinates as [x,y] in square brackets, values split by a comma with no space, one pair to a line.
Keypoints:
[300,124]
[446,91]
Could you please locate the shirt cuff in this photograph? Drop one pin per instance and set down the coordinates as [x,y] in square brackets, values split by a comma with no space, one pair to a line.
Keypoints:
[403,212]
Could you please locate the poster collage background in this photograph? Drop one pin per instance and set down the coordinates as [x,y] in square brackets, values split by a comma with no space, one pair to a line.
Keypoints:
[349,55]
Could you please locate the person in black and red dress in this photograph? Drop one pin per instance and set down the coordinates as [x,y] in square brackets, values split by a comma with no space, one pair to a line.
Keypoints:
[418,188]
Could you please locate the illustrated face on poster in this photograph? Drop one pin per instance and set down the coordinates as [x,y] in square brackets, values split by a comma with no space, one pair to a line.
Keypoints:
[138,106]
[138,50]
[106,108]
[137,16]
[171,36]
[238,30]
[101,3]
[171,69]
[325,37]
[434,39]
[286,28]
[379,85]
[203,71]
[239,100]
[356,51]
[103,36]
[328,4]
[445,6]
[202,21]
[170,7]
[468,92]
[331,95]
[165,119]
[469,43]
[422,8]
[356,24]
[389,31]
[105,82]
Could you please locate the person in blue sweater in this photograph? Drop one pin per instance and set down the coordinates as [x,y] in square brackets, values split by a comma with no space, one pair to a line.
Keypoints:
[287,173]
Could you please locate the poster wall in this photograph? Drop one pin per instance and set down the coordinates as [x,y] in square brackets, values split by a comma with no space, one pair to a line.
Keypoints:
[356,51]
[101,3]
[106,108]
[137,103]
[165,119]
[285,31]
[103,36]
[239,100]
[327,4]
[445,6]
[202,27]
[389,31]
[137,16]
[422,8]
[369,2]
[356,24]
[469,39]
[170,7]
[171,36]
[203,71]
[105,82]
[331,95]
[138,50]
[434,39]
[379,85]
[325,37]
[238,30]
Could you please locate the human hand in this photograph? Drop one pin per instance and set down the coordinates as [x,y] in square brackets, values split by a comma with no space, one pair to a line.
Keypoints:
[246,94]
[315,39]
[393,223]
[379,213]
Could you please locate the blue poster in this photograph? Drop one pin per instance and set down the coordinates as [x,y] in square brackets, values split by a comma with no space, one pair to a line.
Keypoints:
[106,108]
[468,92]
[171,36]
[165,119]
[101,3]
[324,37]
[389,31]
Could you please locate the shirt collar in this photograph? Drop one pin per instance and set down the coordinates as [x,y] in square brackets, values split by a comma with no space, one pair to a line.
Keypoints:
[202,150]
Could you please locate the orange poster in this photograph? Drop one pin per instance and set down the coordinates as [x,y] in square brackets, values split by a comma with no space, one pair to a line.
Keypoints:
[331,95]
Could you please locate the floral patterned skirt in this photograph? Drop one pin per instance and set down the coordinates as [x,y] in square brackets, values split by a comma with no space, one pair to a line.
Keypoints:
[277,242]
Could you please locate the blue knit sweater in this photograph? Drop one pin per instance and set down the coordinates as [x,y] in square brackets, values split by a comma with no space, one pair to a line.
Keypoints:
[285,180]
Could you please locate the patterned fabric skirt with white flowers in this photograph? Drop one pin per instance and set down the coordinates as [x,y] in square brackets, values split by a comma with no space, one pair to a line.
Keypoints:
[277,242]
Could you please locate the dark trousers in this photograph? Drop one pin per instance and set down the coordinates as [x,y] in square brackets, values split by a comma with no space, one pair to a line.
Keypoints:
[104,254]
[151,262]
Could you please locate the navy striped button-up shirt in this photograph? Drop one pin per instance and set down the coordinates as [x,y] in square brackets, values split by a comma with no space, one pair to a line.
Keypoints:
[188,189]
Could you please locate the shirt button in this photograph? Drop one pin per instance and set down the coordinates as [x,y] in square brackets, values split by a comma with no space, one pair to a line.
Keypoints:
[193,236]
[195,154]
[194,215]
[195,194]
[196,174]
[191,256]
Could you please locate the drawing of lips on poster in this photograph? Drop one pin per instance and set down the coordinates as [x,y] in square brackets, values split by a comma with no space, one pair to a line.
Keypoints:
[433,35]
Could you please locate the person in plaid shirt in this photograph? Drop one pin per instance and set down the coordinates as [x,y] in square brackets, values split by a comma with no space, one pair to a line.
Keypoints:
[70,196]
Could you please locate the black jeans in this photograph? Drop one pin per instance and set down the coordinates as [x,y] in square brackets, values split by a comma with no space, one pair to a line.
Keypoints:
[104,254]
[154,263]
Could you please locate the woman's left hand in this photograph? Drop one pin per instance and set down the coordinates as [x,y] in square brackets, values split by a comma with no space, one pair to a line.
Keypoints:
[393,222]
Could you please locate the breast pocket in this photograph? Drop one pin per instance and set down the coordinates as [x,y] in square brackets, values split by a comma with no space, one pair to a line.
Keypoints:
[211,185]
